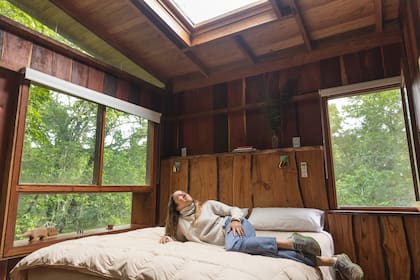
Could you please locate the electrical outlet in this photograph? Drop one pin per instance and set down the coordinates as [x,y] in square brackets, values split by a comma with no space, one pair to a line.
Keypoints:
[304,169]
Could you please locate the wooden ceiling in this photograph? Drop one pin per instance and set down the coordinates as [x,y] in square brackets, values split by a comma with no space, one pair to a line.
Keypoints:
[285,33]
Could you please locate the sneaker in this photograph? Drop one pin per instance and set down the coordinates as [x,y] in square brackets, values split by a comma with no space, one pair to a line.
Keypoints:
[305,244]
[347,269]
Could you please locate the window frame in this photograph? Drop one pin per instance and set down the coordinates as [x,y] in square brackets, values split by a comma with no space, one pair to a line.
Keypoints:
[359,89]
[14,188]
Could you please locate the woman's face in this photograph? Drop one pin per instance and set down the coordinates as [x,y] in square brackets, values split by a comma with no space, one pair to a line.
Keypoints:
[182,199]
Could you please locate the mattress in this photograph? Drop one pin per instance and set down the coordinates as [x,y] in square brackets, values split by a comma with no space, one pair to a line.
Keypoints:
[138,255]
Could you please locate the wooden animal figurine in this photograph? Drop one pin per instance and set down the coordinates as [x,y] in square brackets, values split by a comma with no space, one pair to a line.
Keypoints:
[40,233]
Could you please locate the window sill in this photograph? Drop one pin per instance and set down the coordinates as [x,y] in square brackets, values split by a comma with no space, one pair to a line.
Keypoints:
[379,211]
[24,247]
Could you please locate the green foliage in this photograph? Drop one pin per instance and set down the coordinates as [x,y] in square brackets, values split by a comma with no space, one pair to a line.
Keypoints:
[371,159]
[14,13]
[59,149]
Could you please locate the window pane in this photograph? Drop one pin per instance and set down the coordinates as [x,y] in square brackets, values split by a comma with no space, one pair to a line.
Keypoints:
[370,150]
[72,212]
[59,141]
[125,153]
[200,11]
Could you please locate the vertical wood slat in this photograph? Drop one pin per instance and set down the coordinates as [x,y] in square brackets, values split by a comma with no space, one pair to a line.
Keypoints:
[164,189]
[42,59]
[61,67]
[79,74]
[313,187]
[242,188]
[220,121]
[274,186]
[95,79]
[395,247]
[412,226]
[225,165]
[368,236]
[341,229]
[203,178]
[16,51]
[236,120]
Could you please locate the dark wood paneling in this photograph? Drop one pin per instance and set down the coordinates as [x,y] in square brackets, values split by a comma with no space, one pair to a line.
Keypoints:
[387,245]
[236,120]
[395,247]
[392,55]
[110,85]
[330,72]
[369,246]
[220,121]
[42,59]
[309,124]
[254,90]
[198,132]
[16,51]
[412,226]
[61,67]
[96,79]
[164,189]
[241,180]
[371,61]
[225,167]
[80,74]
[123,88]
[258,134]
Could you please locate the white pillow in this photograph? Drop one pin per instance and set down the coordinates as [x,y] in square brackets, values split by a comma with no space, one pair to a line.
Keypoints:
[287,219]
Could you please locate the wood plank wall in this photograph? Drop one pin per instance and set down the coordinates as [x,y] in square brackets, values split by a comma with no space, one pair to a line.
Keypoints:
[221,117]
[247,179]
[386,245]
[19,49]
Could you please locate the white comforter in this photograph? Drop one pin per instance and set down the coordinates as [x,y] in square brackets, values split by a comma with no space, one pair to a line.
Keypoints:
[138,255]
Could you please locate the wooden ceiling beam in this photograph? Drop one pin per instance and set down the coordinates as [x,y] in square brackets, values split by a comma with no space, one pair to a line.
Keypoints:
[301,24]
[283,60]
[245,49]
[378,15]
[197,62]
[276,8]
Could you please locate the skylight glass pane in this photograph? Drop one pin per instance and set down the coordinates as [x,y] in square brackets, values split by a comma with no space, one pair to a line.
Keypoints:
[198,11]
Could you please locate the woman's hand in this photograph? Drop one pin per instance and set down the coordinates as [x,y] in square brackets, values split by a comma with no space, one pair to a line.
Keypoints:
[165,239]
[237,228]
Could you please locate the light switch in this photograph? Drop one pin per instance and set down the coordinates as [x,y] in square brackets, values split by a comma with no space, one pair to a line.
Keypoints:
[304,169]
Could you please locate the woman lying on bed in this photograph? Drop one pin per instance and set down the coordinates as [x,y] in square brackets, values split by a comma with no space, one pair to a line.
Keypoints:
[217,223]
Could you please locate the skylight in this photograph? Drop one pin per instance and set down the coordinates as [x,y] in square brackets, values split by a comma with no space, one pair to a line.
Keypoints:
[199,11]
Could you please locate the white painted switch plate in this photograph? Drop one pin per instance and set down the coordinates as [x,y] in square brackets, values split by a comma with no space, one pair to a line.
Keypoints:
[304,169]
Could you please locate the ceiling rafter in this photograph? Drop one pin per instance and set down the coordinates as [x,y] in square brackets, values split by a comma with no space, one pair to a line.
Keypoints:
[245,49]
[86,22]
[197,62]
[186,51]
[301,24]
[378,15]
[329,48]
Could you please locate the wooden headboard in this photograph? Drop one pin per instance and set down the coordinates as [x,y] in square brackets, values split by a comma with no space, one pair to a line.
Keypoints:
[251,179]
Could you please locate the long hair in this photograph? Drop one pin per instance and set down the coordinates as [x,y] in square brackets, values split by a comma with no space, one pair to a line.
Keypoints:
[173,214]
[172,218]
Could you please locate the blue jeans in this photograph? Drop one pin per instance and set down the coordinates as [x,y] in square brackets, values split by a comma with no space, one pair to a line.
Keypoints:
[265,246]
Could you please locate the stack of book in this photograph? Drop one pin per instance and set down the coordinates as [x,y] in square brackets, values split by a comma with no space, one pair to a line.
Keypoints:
[244,149]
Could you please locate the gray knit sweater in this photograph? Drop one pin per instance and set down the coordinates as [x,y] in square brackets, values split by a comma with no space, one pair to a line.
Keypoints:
[209,227]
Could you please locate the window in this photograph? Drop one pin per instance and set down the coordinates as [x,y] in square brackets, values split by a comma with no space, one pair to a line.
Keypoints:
[370,151]
[80,161]
[200,11]
[196,22]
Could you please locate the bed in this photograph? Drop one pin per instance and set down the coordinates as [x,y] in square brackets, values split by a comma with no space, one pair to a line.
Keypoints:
[137,254]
